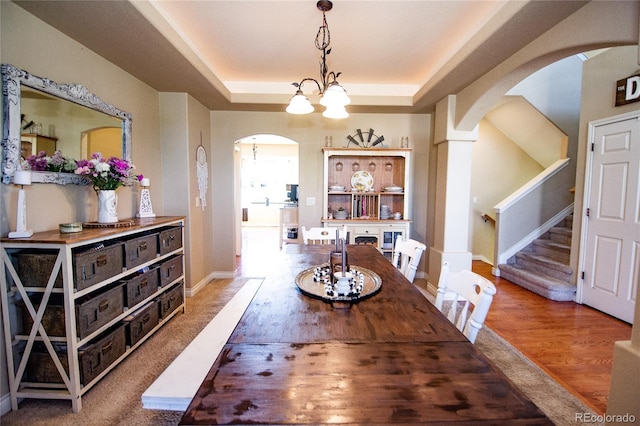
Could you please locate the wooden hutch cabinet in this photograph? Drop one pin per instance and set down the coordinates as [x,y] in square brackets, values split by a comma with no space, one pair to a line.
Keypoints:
[368,190]
[32,144]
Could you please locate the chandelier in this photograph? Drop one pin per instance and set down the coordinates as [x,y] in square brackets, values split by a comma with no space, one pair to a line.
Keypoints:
[332,96]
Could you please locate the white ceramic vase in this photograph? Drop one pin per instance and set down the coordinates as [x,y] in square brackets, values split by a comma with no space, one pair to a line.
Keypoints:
[107,206]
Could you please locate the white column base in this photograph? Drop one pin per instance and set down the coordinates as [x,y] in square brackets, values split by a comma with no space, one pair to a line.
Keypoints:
[625,387]
[457,261]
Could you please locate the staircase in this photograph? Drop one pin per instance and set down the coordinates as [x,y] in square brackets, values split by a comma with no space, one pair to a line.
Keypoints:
[543,266]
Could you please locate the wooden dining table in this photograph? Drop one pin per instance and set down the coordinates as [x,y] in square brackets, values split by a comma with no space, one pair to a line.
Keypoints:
[391,358]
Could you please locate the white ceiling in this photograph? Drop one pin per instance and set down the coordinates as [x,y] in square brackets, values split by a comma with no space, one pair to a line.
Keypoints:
[395,56]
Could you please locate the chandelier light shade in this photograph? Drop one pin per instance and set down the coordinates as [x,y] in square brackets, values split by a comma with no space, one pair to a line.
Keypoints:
[332,95]
[335,95]
[299,104]
[336,112]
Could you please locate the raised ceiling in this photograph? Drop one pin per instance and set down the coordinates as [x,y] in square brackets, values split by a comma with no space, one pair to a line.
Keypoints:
[395,56]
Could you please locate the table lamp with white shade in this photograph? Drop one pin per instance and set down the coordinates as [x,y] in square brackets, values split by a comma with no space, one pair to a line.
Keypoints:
[146,209]
[22,178]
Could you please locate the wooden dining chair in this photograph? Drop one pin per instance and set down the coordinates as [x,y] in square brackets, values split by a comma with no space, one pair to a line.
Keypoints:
[465,298]
[406,256]
[320,235]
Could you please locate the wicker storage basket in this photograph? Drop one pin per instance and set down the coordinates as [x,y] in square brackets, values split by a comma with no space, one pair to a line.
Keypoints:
[170,270]
[170,300]
[35,267]
[141,322]
[140,286]
[97,264]
[140,250]
[170,239]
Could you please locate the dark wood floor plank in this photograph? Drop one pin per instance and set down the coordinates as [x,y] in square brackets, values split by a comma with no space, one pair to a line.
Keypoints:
[573,343]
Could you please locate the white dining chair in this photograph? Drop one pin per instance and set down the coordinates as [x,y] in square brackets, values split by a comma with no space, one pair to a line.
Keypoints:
[406,256]
[465,298]
[323,235]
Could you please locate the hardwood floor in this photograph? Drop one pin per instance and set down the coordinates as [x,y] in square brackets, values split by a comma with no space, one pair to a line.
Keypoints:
[572,343]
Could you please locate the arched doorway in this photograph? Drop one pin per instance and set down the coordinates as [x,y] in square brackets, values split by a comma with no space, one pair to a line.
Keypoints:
[266,167]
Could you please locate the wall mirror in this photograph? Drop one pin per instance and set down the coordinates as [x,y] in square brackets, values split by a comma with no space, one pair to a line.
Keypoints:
[42,115]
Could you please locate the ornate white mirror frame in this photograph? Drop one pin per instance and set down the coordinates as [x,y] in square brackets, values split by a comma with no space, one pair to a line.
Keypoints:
[12,81]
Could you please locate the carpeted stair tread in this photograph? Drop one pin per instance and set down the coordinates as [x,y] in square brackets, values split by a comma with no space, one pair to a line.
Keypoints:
[541,262]
[560,234]
[563,230]
[562,247]
[552,249]
[539,283]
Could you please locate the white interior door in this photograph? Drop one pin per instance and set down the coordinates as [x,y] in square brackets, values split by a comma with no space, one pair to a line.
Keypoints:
[612,190]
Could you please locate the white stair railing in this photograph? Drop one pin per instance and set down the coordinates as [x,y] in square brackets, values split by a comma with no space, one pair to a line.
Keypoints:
[532,210]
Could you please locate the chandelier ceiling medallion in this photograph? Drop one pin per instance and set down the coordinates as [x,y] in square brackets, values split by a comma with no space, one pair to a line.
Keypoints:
[332,96]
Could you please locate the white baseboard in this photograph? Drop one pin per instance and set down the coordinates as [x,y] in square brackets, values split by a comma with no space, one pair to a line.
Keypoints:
[536,233]
[481,258]
[190,292]
[5,404]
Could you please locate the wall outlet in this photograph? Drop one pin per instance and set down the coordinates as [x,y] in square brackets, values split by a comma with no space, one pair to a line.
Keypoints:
[311,201]
[197,201]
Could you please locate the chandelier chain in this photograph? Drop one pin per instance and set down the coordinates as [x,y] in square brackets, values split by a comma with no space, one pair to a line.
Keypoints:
[333,96]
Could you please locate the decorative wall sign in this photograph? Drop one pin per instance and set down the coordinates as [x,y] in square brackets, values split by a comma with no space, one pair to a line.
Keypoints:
[365,140]
[203,173]
[628,90]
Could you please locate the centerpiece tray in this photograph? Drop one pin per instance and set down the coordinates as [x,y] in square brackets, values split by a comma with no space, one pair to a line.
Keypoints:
[371,285]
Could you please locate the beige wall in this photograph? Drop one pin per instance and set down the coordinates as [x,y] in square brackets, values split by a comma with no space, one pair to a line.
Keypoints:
[165,136]
[599,83]
[598,96]
[499,167]
[53,55]
[309,132]
[184,126]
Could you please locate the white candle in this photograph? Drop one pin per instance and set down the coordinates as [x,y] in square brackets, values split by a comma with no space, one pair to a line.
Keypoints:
[145,182]
[22,177]
[343,257]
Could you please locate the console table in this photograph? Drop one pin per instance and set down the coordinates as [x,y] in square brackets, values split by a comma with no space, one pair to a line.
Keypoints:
[75,305]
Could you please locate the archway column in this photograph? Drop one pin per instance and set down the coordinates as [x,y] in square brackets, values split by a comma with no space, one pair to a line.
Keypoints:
[453,192]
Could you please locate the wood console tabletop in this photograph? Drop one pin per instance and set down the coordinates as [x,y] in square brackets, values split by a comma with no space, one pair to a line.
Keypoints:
[389,359]
[88,234]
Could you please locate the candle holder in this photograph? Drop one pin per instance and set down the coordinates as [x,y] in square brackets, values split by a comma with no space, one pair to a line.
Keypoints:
[22,178]
[146,209]
[336,264]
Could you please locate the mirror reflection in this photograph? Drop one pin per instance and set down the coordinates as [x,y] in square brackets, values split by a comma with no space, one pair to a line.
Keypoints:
[41,115]
[52,124]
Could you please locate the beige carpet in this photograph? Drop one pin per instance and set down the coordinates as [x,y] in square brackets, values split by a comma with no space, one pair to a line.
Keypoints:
[115,400]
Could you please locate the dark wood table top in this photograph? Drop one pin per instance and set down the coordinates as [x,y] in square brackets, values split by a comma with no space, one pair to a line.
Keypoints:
[389,359]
